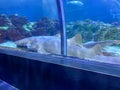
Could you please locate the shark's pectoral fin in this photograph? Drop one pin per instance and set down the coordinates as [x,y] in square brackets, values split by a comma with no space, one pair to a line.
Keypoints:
[41,50]
[96,50]
[92,52]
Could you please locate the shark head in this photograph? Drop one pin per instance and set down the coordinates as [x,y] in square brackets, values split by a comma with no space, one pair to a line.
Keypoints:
[22,43]
[26,43]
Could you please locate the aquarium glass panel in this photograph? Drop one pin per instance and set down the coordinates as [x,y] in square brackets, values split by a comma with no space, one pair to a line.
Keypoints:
[35,23]
[93,29]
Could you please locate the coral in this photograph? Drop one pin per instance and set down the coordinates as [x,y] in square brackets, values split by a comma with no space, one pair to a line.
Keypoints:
[14,35]
[40,31]
[14,27]
[23,31]
[87,28]
[2,36]
[46,26]
[4,28]
[117,23]
[94,30]
[4,21]
[28,27]
[17,33]
[17,20]
[113,34]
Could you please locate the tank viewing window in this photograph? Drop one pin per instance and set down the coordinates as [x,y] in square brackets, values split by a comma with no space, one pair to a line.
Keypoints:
[93,29]
[30,24]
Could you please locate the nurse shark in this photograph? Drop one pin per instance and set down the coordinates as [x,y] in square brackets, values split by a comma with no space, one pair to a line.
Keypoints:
[52,45]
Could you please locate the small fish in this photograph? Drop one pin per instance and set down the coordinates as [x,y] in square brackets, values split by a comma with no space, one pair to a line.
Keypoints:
[75,2]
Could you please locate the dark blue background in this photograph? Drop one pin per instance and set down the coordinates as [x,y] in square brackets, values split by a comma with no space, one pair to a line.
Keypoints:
[35,9]
[92,9]
[32,9]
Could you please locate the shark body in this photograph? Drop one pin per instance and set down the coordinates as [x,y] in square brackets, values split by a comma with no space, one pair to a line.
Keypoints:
[52,44]
[75,47]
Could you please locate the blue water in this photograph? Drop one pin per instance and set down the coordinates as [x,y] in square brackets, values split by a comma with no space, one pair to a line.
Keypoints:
[32,9]
[36,9]
[92,9]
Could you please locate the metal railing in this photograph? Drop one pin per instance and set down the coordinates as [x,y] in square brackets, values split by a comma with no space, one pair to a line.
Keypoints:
[63,25]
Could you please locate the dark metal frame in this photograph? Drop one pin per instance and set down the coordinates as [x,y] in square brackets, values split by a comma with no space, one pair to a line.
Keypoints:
[63,27]
[72,62]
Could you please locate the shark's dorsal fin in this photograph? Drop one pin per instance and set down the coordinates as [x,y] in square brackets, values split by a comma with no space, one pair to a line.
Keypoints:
[57,35]
[77,39]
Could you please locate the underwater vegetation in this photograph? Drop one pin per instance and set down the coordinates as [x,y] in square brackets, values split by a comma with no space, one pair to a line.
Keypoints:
[94,30]
[46,26]
[15,27]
